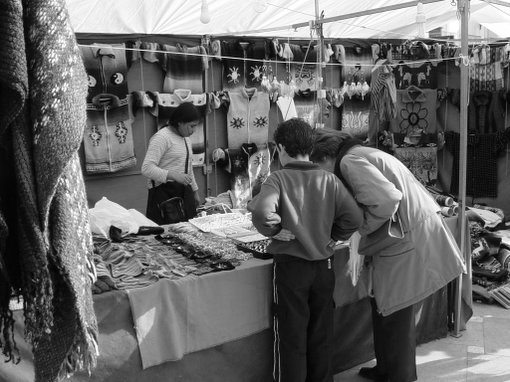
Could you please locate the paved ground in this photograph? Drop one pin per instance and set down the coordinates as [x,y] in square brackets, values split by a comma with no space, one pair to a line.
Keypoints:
[482,353]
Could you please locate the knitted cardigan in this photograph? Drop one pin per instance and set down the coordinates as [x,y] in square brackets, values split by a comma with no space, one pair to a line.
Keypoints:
[52,227]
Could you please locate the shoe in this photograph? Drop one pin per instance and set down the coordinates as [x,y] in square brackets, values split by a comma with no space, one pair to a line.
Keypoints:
[372,373]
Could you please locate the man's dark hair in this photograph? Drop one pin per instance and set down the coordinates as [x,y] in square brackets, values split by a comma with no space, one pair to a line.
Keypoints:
[296,136]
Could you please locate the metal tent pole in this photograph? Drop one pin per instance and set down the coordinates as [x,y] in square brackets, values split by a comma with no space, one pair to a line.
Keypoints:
[331,19]
[463,7]
[320,53]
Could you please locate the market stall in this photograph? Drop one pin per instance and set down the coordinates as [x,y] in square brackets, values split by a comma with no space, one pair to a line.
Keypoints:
[217,326]
[175,318]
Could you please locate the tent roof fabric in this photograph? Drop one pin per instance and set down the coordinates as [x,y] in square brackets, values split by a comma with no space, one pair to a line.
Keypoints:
[233,17]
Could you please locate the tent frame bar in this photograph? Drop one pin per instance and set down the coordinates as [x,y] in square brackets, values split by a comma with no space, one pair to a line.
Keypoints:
[497,2]
[332,19]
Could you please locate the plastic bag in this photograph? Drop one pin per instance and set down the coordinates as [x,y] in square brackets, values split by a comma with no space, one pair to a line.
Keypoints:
[107,213]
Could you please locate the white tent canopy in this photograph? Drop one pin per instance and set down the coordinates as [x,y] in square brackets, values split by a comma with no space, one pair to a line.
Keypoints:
[229,17]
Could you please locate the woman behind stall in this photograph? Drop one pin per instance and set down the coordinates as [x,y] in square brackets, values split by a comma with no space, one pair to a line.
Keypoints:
[167,164]
[408,270]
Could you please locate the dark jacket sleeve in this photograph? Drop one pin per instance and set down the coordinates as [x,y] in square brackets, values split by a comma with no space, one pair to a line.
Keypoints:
[264,207]
[349,215]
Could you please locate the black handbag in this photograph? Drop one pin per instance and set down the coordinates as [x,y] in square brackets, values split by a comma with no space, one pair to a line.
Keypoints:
[172,210]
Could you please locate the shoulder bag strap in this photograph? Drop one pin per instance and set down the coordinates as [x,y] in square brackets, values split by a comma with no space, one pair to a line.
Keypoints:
[187,156]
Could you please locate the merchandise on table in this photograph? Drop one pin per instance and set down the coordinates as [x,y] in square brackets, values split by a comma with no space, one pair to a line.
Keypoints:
[139,261]
[220,221]
[258,248]
[217,247]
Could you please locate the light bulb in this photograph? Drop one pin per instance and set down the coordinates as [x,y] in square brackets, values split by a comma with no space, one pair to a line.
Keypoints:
[204,13]
[420,14]
[421,18]
[260,6]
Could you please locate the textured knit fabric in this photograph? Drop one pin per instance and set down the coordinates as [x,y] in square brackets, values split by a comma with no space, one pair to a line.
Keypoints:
[487,111]
[108,138]
[52,223]
[249,166]
[486,70]
[259,165]
[236,163]
[383,93]
[383,100]
[312,203]
[13,92]
[482,163]
[243,63]
[148,51]
[416,114]
[304,76]
[106,67]
[287,107]
[356,69]
[423,76]
[498,111]
[356,64]
[478,109]
[184,67]
[421,161]
[247,117]
[167,152]
[355,117]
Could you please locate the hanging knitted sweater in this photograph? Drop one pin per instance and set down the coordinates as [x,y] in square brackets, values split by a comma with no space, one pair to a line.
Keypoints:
[52,226]
[247,117]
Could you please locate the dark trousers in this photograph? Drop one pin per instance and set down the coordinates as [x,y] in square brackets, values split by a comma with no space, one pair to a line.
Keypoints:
[395,344]
[303,319]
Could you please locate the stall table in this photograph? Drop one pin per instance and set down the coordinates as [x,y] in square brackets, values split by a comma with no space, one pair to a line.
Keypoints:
[217,327]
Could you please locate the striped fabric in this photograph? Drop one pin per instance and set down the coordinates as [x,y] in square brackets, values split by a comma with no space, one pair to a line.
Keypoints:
[184,67]
[167,152]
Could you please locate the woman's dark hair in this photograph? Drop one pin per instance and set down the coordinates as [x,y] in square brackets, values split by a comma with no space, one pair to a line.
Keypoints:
[296,136]
[327,143]
[185,112]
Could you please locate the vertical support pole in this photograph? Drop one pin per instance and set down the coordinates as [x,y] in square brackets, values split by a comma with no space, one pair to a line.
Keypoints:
[320,58]
[463,7]
[205,85]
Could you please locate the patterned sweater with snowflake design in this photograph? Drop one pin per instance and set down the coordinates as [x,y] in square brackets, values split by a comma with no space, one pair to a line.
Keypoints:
[247,117]
[243,63]
[108,138]
[416,114]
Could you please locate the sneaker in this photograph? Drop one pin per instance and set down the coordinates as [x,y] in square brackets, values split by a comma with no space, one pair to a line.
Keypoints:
[372,373]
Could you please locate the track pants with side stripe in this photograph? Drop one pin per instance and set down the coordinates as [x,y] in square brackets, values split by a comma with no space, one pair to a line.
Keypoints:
[303,319]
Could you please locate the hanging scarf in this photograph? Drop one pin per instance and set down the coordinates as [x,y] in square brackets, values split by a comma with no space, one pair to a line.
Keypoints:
[52,227]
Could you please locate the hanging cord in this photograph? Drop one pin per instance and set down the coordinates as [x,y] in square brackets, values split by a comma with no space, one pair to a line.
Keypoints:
[146,141]
[302,63]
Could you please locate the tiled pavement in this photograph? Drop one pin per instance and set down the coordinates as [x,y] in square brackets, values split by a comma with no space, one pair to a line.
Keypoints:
[481,353]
